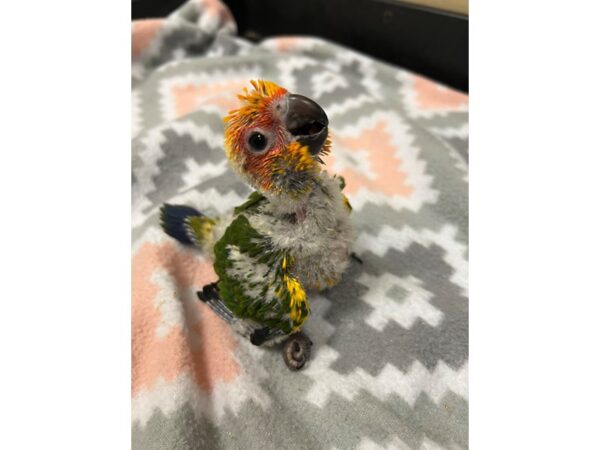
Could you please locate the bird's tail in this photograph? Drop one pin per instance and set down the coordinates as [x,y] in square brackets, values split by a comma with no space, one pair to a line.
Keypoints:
[210,295]
[188,225]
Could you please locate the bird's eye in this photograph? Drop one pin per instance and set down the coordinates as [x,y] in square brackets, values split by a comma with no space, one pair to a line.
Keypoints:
[257,141]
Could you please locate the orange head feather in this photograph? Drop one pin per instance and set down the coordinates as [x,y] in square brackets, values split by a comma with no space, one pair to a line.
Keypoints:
[276,139]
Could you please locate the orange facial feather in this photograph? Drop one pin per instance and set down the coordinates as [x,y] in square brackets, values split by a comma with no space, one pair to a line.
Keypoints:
[285,166]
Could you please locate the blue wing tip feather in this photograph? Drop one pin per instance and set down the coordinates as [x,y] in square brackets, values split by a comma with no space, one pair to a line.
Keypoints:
[172,221]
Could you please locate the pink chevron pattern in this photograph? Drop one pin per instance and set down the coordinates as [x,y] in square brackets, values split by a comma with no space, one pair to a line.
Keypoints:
[187,98]
[374,144]
[183,94]
[425,98]
[163,347]
[380,163]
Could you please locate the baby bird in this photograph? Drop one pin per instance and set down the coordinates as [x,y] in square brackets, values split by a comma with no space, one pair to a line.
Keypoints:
[293,235]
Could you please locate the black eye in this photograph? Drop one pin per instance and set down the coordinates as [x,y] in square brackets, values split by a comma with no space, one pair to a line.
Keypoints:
[257,141]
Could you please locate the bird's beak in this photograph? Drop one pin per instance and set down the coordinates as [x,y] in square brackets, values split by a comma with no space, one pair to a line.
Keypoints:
[307,122]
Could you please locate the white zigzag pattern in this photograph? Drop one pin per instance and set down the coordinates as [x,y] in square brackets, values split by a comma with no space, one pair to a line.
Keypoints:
[461,132]
[388,237]
[327,81]
[366,67]
[286,68]
[195,172]
[385,309]
[152,152]
[333,65]
[210,201]
[395,443]
[168,397]
[347,104]
[415,168]
[459,162]
[428,444]
[136,113]
[390,380]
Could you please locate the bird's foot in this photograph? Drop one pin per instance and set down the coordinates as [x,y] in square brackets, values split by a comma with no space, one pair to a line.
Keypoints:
[296,351]
[209,292]
[356,257]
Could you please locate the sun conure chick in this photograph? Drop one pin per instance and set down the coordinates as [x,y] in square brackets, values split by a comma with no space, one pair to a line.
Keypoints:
[293,234]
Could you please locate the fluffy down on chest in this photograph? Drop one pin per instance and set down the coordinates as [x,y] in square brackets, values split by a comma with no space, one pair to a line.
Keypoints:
[319,235]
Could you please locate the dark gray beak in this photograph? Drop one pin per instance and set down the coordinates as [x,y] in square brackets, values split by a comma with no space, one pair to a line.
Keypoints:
[307,122]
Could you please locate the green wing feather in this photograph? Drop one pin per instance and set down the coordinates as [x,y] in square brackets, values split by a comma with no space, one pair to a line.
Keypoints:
[256,281]
[253,201]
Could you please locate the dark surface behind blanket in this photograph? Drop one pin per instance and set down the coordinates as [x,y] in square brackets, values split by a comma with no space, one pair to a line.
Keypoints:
[431,42]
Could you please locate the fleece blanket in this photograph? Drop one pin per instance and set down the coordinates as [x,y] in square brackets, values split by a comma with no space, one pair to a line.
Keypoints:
[389,365]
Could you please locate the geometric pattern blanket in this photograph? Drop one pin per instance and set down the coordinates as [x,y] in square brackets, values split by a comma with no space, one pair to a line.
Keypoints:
[390,356]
